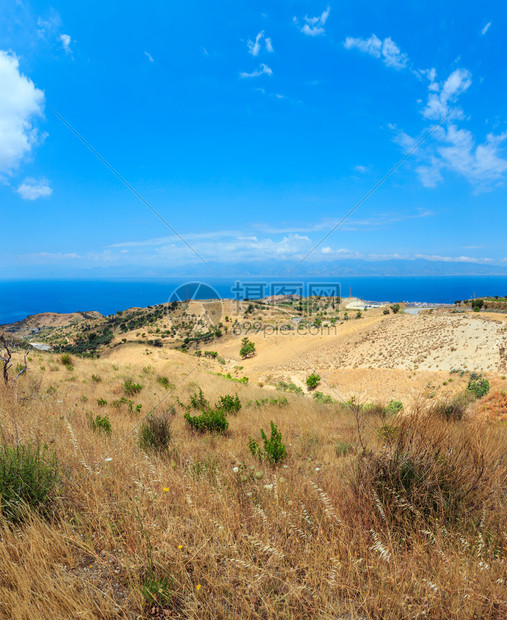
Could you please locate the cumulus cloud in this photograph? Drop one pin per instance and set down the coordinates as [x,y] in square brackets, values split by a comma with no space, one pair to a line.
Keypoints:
[262,70]
[20,103]
[66,41]
[314,26]
[31,189]
[386,49]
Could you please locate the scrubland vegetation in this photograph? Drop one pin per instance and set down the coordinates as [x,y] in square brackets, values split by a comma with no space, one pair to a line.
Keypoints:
[358,510]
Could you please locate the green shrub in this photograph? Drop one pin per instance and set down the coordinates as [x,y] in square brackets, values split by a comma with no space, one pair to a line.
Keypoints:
[479,387]
[118,404]
[312,381]
[393,407]
[289,387]
[386,311]
[155,433]
[130,388]
[28,480]
[102,424]
[198,401]
[164,382]
[323,398]
[157,590]
[101,402]
[273,450]
[229,404]
[211,421]
[96,378]
[66,360]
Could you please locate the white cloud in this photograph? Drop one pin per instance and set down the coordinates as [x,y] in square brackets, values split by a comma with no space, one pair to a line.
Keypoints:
[314,26]
[66,41]
[20,102]
[32,189]
[263,69]
[254,47]
[486,28]
[441,95]
[372,45]
[387,49]
[149,56]
[361,169]
[451,147]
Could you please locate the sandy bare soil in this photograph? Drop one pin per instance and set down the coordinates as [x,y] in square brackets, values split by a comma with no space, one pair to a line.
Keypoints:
[421,342]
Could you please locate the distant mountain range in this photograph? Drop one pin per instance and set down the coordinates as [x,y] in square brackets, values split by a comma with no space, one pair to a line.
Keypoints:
[344,267]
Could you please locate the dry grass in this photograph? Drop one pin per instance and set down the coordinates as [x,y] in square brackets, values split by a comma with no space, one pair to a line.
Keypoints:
[309,539]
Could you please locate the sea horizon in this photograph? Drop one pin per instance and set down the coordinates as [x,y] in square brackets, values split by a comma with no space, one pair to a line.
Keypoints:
[24,297]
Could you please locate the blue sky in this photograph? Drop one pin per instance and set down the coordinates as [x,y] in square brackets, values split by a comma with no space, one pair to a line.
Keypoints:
[252,129]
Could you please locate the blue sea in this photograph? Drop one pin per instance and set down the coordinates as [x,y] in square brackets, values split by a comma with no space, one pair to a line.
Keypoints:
[21,298]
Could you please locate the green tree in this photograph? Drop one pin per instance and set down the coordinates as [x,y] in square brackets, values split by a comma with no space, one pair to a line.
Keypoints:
[247,348]
[312,381]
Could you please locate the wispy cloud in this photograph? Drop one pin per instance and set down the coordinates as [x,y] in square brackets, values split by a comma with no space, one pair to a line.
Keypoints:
[66,41]
[386,49]
[486,28]
[453,148]
[149,56]
[254,47]
[361,169]
[442,95]
[262,70]
[32,189]
[314,26]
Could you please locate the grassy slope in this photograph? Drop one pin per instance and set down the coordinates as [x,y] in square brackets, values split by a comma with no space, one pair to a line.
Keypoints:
[301,542]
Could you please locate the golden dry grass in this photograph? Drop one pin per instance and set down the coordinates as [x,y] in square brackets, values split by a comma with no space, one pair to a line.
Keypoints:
[306,540]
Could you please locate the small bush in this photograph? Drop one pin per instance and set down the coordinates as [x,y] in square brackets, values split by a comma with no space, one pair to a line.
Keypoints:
[312,381]
[118,404]
[102,424]
[452,409]
[429,470]
[479,387]
[198,401]
[66,360]
[211,421]
[393,407]
[386,311]
[130,388]
[28,480]
[273,450]
[323,398]
[164,382]
[289,387]
[101,402]
[96,378]
[155,433]
[157,590]
[229,404]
